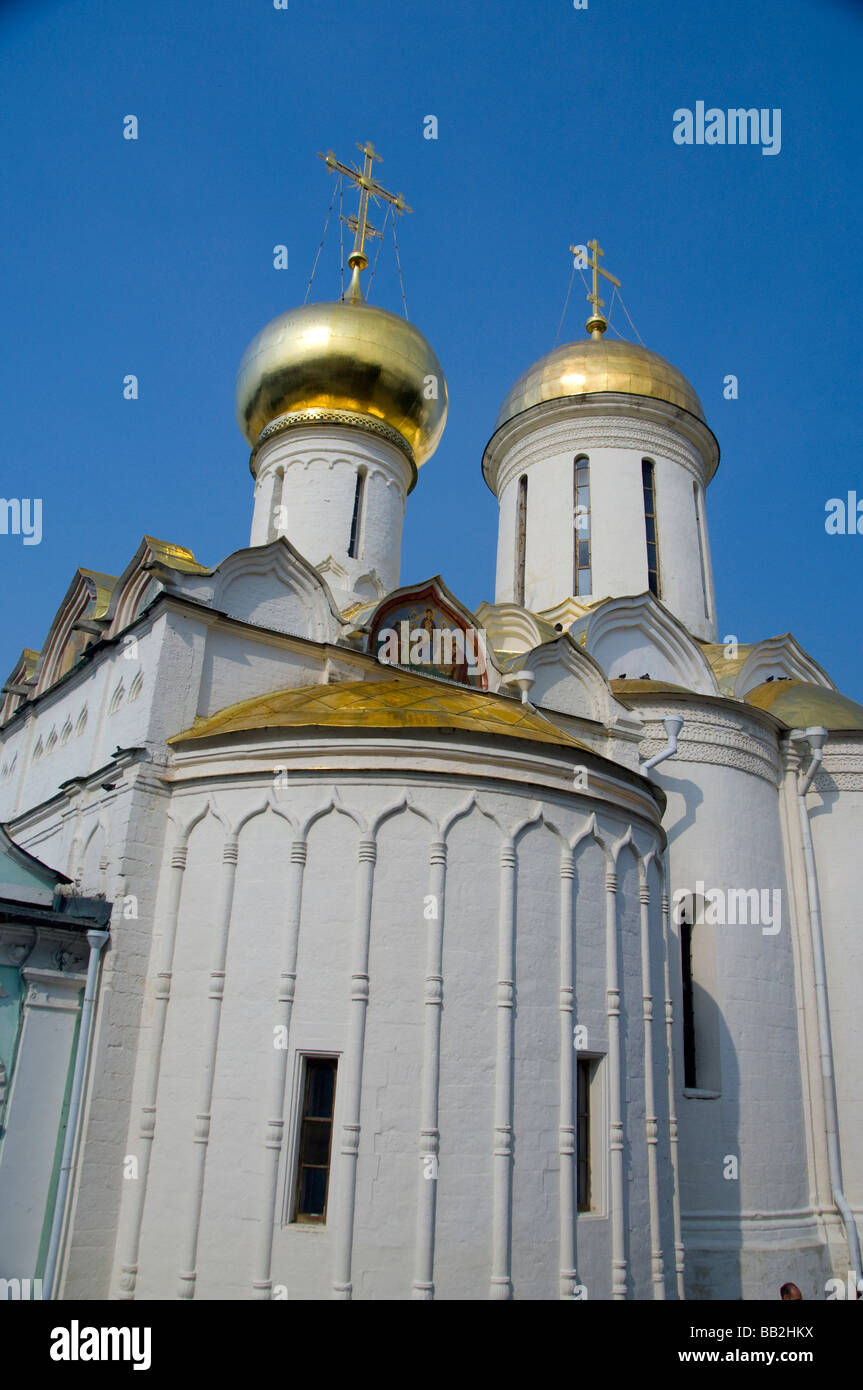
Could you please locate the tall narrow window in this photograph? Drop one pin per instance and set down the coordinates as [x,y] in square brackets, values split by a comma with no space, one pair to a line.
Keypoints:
[689,1073]
[581,526]
[316,1134]
[700,529]
[520,539]
[582,1121]
[649,488]
[354,543]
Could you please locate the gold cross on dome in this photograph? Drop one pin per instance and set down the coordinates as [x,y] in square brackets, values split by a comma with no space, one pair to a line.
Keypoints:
[354,223]
[360,225]
[597,324]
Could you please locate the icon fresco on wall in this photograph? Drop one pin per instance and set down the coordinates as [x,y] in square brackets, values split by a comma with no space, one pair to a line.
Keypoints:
[420,631]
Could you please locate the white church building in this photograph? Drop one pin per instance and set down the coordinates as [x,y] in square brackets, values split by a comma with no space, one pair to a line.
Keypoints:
[506,954]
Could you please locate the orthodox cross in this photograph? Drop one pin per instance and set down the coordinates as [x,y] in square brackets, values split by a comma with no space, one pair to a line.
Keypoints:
[596,324]
[360,225]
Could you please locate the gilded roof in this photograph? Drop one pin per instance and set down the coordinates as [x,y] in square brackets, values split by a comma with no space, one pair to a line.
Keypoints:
[176,557]
[726,669]
[344,357]
[603,364]
[406,703]
[104,585]
[635,687]
[800,705]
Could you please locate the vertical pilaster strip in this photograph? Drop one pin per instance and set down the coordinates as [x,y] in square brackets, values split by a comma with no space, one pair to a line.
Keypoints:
[615,1105]
[268,496]
[672,1110]
[501,1274]
[423,1285]
[567,1132]
[262,1284]
[353,1085]
[104,865]
[187,1278]
[132,1214]
[651,1123]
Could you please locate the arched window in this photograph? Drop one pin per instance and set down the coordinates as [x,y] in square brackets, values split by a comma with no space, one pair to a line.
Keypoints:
[701,1065]
[520,539]
[649,488]
[354,542]
[581,526]
[699,526]
[689,1072]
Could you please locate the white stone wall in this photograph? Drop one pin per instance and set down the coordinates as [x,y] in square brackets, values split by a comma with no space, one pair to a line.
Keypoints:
[134,694]
[835,805]
[111,842]
[49,1017]
[543,448]
[81,721]
[744,1236]
[311,475]
[474,1207]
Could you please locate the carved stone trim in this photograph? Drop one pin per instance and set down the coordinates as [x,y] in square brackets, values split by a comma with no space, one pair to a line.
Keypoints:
[708,738]
[842,769]
[847,780]
[297,418]
[52,989]
[607,431]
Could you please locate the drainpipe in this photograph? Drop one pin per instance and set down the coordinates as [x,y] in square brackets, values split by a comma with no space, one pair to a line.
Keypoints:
[95,940]
[816,737]
[673,724]
[523,680]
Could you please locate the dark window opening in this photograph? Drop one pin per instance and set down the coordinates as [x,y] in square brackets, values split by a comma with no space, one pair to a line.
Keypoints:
[520,540]
[700,530]
[581,521]
[688,1004]
[354,543]
[582,1132]
[316,1135]
[650,531]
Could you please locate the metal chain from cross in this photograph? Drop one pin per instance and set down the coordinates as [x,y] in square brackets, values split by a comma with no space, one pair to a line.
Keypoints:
[359,223]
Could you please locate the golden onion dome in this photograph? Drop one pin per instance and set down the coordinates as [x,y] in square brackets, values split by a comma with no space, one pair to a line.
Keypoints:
[599,364]
[344,357]
[802,705]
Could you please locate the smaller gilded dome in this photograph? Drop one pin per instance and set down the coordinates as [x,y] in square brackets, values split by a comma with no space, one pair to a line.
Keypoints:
[344,357]
[599,364]
[802,705]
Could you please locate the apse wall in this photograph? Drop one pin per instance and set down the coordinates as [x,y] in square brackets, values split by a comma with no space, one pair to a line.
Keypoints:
[488,919]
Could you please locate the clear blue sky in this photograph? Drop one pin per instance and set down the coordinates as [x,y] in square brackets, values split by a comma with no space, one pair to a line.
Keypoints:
[155,257]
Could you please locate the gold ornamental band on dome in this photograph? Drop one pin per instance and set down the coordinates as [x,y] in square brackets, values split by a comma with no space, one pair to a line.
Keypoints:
[296,419]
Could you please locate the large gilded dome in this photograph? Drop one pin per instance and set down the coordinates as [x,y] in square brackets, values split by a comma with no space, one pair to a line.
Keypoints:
[599,364]
[344,357]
